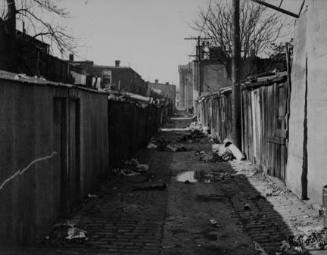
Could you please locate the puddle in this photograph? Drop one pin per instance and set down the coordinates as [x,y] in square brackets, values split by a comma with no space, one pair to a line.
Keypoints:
[187,176]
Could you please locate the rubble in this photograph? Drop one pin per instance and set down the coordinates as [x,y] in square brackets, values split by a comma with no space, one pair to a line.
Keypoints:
[259,249]
[75,233]
[131,168]
[214,223]
[66,231]
[175,147]
[227,151]
[247,207]
[311,239]
[152,146]
[213,157]
[92,196]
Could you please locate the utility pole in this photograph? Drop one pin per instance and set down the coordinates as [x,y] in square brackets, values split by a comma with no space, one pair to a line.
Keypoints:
[236,87]
[198,60]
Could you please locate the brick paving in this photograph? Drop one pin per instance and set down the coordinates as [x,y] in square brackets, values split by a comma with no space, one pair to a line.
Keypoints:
[175,220]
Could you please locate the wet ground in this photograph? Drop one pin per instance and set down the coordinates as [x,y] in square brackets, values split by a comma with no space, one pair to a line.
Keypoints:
[183,205]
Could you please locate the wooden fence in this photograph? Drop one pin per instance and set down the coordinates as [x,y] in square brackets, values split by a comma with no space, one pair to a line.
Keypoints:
[57,142]
[265,108]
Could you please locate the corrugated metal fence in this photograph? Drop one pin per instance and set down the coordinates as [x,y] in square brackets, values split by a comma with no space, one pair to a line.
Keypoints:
[265,105]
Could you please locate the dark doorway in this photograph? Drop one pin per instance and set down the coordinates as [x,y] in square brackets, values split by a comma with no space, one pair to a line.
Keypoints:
[74,151]
[60,146]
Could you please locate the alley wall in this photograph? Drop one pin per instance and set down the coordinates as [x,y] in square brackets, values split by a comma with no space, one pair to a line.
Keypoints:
[57,142]
[264,121]
[308,138]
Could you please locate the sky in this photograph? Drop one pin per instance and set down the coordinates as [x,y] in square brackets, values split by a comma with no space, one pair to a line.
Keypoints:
[147,35]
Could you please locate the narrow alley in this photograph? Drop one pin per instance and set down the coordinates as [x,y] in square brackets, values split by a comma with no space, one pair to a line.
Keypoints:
[184,204]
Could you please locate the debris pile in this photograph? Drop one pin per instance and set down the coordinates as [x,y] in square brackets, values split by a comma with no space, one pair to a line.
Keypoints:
[161,144]
[66,232]
[131,168]
[227,151]
[316,239]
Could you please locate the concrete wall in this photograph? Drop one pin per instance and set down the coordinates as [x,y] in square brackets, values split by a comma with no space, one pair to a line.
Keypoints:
[317,99]
[54,142]
[296,120]
[308,137]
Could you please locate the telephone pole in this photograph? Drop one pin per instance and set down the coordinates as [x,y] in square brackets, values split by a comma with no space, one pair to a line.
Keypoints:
[198,60]
[236,87]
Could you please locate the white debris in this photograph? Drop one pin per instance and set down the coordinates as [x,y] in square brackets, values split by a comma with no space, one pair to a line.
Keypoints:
[220,149]
[142,168]
[75,233]
[152,146]
[236,152]
[91,195]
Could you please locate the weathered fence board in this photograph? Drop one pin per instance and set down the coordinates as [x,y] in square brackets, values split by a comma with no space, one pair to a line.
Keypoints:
[264,121]
[57,142]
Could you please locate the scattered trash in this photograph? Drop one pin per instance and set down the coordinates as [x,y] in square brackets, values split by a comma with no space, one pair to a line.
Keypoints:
[259,249]
[75,233]
[66,231]
[237,154]
[125,172]
[247,207]
[214,223]
[151,186]
[313,239]
[210,157]
[197,132]
[142,168]
[187,177]
[152,146]
[131,168]
[91,196]
[175,147]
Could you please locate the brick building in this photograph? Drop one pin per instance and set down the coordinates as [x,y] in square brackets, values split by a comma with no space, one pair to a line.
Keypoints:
[115,77]
[165,89]
[186,86]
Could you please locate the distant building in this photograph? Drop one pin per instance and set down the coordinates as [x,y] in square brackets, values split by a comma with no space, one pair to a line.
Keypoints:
[178,99]
[186,83]
[165,89]
[202,77]
[103,77]
[210,76]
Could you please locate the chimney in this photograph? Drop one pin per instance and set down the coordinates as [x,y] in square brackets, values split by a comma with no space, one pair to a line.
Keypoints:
[71,57]
[117,63]
[156,81]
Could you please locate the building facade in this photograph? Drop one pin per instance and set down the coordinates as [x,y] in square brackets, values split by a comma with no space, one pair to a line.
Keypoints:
[186,83]
[102,77]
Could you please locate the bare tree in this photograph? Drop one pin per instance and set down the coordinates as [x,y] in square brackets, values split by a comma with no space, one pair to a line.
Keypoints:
[36,16]
[259,27]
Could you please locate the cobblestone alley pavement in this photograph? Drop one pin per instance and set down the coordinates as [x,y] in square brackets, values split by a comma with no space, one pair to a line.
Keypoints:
[228,208]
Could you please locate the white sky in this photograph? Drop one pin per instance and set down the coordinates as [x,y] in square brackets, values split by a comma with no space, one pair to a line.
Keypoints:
[147,35]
